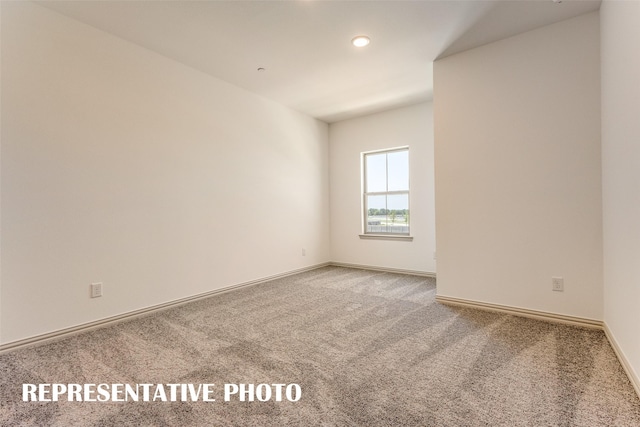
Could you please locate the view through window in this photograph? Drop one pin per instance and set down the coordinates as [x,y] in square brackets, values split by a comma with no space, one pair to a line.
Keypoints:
[386,192]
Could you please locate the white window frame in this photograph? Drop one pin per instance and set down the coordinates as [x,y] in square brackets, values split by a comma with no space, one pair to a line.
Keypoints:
[365,193]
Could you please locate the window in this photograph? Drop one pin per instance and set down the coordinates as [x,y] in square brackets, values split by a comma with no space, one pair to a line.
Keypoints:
[386,192]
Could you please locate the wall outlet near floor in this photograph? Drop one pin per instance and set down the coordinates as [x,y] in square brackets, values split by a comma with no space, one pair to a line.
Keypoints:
[557,284]
[304,252]
[96,290]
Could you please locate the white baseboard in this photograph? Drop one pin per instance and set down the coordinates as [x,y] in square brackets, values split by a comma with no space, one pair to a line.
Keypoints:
[384,269]
[628,369]
[523,312]
[63,333]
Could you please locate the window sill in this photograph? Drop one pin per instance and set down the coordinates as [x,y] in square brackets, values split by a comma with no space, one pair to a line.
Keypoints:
[386,237]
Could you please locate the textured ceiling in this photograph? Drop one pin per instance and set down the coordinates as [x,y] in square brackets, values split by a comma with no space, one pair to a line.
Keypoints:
[305,47]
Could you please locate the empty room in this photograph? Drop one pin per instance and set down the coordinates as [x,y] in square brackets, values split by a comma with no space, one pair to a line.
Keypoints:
[309,212]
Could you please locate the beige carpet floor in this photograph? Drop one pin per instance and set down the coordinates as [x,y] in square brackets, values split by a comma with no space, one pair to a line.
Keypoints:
[367,349]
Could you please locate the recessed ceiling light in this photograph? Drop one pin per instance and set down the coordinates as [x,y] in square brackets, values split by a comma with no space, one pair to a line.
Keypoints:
[360,41]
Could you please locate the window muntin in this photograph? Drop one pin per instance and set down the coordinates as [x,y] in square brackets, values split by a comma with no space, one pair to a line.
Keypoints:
[386,192]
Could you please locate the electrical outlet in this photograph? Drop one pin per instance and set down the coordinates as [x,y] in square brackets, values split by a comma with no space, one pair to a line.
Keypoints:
[557,284]
[304,252]
[96,290]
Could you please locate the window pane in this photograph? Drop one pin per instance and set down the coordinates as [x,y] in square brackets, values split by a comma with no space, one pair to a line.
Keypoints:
[398,167]
[398,213]
[376,172]
[376,214]
[386,174]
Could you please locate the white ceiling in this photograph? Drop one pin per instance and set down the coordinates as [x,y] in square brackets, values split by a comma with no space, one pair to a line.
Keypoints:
[305,47]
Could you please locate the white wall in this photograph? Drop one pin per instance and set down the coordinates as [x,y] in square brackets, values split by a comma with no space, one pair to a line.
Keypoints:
[412,126]
[518,182]
[122,166]
[620,32]
[0,172]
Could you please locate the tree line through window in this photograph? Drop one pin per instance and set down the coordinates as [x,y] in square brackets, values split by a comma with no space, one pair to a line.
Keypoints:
[386,192]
